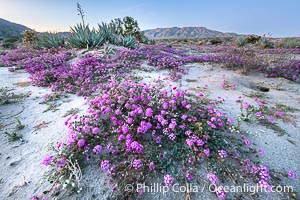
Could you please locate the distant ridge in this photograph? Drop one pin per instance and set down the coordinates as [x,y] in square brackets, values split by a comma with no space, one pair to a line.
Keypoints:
[185,32]
[8,28]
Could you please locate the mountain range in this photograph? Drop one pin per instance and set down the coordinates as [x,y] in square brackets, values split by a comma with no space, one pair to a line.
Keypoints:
[8,28]
[185,32]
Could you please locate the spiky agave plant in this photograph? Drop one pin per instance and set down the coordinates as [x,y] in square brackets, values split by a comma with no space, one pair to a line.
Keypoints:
[79,36]
[82,37]
[49,40]
[95,39]
[109,31]
[129,41]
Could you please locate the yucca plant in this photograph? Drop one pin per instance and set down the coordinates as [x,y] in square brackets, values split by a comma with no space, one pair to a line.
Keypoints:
[49,40]
[129,41]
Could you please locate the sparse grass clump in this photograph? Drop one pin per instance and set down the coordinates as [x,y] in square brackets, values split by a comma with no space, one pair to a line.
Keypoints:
[14,135]
[8,97]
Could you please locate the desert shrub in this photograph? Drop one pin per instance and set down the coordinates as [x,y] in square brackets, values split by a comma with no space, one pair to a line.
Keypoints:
[252,39]
[290,43]
[9,45]
[215,41]
[265,43]
[49,40]
[241,41]
[152,42]
[10,39]
[29,36]
[10,42]
[128,26]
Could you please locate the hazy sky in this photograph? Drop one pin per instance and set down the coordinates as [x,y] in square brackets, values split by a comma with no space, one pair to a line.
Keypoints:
[278,17]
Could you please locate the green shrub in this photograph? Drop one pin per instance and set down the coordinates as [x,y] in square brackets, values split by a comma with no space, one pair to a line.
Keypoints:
[241,42]
[28,36]
[9,45]
[10,39]
[215,41]
[252,39]
[290,43]
[152,42]
[265,43]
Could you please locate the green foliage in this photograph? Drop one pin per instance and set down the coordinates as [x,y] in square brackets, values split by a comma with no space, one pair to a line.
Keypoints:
[290,43]
[265,43]
[128,26]
[49,40]
[82,37]
[152,42]
[8,97]
[129,41]
[8,45]
[252,39]
[29,36]
[10,39]
[10,42]
[215,41]
[13,136]
[241,42]
[109,32]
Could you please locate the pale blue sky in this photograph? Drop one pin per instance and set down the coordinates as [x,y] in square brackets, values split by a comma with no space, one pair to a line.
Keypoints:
[278,17]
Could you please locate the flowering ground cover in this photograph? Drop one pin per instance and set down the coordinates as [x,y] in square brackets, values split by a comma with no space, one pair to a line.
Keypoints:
[134,131]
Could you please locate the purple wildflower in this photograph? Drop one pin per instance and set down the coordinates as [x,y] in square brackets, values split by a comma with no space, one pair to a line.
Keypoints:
[149,112]
[105,164]
[60,163]
[151,166]
[81,143]
[168,180]
[125,128]
[47,160]
[292,174]
[95,130]
[212,178]
[97,149]
[222,153]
